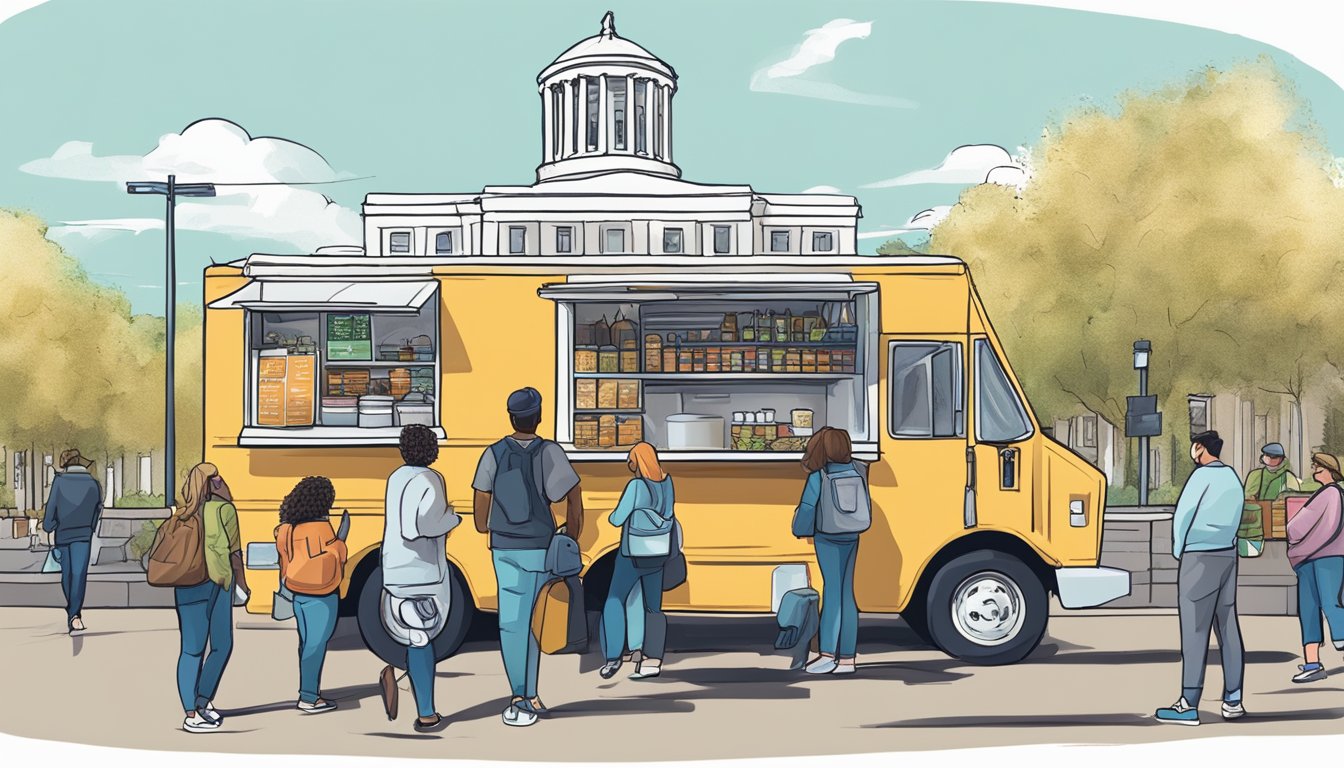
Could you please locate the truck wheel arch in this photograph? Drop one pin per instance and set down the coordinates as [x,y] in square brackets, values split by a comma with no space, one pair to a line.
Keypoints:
[997,541]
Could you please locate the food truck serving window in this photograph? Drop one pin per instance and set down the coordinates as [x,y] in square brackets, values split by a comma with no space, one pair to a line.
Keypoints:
[714,374]
[339,371]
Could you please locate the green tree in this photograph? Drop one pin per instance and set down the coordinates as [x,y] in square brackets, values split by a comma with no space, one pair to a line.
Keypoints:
[1201,216]
[78,368]
[898,247]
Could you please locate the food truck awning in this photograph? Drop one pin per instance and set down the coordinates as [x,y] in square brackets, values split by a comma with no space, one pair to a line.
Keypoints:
[330,295]
[636,288]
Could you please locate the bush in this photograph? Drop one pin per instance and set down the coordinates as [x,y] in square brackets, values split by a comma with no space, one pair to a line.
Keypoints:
[143,539]
[1128,496]
[140,501]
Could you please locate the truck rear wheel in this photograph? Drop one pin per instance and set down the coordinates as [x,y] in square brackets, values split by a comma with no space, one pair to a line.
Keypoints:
[377,639]
[987,608]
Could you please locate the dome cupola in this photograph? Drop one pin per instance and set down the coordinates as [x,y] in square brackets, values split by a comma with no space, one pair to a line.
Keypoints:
[606,107]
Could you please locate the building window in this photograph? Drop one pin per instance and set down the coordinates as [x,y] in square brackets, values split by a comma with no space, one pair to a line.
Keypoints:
[672,240]
[443,242]
[616,92]
[590,85]
[779,241]
[614,240]
[723,239]
[564,239]
[517,239]
[574,116]
[399,242]
[658,139]
[641,124]
[1200,407]
[926,390]
[822,242]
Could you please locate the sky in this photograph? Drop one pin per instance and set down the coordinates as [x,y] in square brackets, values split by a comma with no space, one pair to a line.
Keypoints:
[865,98]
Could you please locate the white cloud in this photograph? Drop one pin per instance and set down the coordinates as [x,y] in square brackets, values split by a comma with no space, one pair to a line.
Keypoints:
[969,164]
[822,189]
[819,47]
[923,221]
[222,152]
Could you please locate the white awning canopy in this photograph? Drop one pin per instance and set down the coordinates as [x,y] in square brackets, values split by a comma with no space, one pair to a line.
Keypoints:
[634,290]
[329,296]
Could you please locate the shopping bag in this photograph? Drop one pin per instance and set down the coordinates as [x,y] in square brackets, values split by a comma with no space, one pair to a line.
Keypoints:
[53,562]
[282,605]
[559,621]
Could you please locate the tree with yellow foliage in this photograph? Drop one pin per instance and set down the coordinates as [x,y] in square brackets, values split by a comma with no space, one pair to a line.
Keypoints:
[1203,216]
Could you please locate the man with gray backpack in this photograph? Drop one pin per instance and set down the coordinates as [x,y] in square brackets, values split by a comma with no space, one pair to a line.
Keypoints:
[517,480]
[834,510]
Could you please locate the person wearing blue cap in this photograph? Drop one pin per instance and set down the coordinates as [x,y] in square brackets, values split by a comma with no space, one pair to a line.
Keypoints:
[1265,483]
[517,480]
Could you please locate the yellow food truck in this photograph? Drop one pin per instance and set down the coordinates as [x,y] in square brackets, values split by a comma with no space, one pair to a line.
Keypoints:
[725,364]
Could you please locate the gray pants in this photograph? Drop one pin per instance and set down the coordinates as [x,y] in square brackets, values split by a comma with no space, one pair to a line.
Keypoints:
[1207,598]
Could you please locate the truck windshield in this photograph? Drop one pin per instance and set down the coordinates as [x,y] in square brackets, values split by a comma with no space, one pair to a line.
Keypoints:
[999,414]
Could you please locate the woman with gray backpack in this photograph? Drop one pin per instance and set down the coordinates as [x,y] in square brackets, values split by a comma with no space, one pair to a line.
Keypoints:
[649,537]
[834,510]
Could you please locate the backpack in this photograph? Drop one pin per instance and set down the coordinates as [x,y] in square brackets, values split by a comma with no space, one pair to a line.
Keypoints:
[177,556]
[309,572]
[518,508]
[559,621]
[844,506]
[798,623]
[648,532]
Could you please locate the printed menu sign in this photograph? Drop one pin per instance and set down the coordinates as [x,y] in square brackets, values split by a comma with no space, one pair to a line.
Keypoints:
[349,337]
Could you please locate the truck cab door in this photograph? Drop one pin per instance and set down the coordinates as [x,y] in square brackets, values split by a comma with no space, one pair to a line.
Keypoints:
[1002,456]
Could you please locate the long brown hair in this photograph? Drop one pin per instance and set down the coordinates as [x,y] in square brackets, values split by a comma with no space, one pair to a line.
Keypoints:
[643,460]
[828,445]
[196,489]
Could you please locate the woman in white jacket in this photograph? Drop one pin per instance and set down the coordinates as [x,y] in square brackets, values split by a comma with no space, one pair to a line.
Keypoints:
[416,596]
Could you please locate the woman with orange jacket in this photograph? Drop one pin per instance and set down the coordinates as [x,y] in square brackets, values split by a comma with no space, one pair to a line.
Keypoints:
[312,565]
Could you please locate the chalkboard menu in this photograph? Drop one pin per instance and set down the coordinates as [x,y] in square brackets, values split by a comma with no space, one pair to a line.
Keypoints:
[349,337]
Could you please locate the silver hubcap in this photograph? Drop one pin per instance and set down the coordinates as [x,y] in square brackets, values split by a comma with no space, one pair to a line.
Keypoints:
[988,608]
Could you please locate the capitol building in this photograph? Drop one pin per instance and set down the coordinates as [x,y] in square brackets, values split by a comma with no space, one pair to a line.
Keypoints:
[608,184]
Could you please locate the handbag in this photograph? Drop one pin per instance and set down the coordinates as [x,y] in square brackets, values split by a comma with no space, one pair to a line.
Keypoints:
[674,570]
[559,621]
[282,605]
[562,556]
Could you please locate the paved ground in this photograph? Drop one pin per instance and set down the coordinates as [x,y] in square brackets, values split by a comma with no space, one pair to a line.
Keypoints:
[724,694]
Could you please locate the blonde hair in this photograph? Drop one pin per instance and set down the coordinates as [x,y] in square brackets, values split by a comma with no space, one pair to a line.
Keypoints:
[196,489]
[643,460]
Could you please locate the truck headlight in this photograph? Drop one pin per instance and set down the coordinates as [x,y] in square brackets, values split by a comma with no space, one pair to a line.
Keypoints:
[1077,514]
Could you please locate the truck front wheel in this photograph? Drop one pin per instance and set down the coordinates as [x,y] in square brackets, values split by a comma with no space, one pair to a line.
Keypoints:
[389,650]
[987,608]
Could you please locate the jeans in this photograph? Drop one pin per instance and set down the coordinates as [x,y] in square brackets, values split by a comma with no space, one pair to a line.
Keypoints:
[520,573]
[839,634]
[74,559]
[204,615]
[420,667]
[647,579]
[316,619]
[1206,589]
[1318,586]
[634,621]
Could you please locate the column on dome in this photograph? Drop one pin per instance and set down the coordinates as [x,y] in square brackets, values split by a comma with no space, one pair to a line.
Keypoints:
[602,101]
[548,118]
[571,97]
[645,127]
[667,123]
[629,117]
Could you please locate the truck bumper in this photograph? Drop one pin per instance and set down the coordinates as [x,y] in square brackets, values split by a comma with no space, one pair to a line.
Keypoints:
[1090,587]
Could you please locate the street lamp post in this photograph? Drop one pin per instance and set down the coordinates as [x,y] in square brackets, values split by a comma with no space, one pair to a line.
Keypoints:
[170,190]
[1142,349]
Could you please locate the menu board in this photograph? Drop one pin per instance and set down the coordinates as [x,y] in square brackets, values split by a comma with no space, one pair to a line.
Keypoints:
[349,337]
[300,390]
[271,390]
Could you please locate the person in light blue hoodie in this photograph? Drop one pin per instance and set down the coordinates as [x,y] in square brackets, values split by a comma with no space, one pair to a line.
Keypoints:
[1204,540]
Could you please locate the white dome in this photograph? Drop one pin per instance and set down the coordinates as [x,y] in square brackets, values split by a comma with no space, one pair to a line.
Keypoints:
[606,47]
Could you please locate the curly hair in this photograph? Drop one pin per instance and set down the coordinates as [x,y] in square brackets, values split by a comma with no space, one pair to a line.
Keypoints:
[311,499]
[419,445]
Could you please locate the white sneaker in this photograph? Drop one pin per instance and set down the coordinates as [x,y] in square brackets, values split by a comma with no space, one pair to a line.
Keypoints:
[520,718]
[313,708]
[210,713]
[822,666]
[196,723]
[1233,710]
[845,668]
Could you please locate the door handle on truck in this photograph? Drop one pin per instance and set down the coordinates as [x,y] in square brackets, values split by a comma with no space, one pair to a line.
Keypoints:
[968,512]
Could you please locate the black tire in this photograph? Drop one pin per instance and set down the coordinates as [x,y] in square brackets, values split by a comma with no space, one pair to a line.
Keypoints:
[992,581]
[377,639]
[916,617]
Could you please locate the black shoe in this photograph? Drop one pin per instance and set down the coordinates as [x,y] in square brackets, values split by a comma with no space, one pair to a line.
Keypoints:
[610,669]
[435,724]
